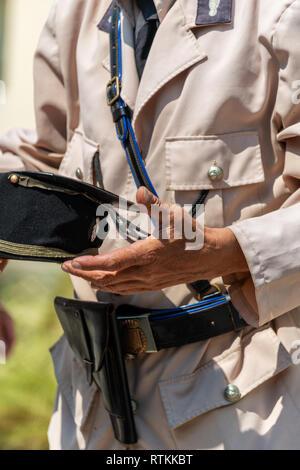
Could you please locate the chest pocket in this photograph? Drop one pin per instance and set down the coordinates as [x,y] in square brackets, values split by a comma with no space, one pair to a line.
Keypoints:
[196,407]
[189,159]
[236,194]
[78,159]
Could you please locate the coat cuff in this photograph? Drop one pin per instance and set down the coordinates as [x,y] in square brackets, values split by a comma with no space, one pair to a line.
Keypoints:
[271,246]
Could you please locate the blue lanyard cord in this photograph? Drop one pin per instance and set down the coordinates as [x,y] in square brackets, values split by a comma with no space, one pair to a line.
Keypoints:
[156,315]
[172,309]
[127,124]
[120,46]
[141,159]
[120,101]
[135,160]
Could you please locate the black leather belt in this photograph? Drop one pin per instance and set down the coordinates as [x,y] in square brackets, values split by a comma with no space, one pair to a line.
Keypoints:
[151,331]
[146,331]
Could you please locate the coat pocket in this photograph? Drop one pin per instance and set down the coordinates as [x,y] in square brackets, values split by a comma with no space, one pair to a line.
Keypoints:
[188,160]
[72,380]
[196,405]
[78,159]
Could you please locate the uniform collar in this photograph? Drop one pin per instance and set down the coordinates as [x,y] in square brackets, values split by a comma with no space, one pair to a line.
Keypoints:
[206,12]
[196,12]
[164,62]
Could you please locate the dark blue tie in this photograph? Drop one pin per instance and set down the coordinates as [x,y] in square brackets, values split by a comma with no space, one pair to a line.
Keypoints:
[146,34]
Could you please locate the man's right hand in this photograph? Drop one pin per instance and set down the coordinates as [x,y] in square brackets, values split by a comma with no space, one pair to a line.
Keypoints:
[3,264]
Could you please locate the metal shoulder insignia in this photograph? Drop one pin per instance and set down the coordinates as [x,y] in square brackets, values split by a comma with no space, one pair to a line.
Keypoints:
[214,12]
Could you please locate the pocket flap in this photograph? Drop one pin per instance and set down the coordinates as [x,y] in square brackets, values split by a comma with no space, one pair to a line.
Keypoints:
[253,360]
[78,159]
[188,160]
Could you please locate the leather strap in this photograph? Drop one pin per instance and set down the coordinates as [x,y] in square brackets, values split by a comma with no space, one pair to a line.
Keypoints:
[120,112]
[122,118]
[144,331]
[122,115]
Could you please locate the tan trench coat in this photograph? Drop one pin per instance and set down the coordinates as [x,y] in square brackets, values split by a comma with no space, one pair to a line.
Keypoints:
[224,92]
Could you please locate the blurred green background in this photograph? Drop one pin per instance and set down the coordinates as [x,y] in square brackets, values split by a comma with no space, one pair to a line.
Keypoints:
[27,382]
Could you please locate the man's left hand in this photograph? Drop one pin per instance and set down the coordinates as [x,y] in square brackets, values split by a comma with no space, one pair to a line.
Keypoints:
[155,263]
[7,330]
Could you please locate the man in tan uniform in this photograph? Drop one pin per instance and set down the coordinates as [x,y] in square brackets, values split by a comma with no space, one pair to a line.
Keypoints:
[219,87]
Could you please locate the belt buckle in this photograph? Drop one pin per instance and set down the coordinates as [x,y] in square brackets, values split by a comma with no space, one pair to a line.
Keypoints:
[116,82]
[138,332]
[210,292]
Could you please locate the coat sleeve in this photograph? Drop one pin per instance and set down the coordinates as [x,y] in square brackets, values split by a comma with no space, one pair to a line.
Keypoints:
[43,148]
[271,243]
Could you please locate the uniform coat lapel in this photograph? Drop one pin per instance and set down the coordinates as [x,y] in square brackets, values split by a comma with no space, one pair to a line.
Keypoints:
[174,50]
[130,79]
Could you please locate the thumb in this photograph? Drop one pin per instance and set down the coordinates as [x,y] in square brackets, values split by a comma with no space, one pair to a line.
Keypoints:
[146,198]
[159,211]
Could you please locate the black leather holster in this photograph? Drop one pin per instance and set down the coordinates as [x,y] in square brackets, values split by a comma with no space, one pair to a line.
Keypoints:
[101,334]
[93,334]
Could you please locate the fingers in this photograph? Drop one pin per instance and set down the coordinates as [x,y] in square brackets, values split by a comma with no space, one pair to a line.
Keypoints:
[139,253]
[107,280]
[104,278]
[134,286]
[130,264]
[3,264]
[115,261]
[92,276]
[7,330]
[125,288]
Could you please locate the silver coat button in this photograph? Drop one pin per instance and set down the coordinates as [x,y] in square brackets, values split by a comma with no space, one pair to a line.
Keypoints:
[134,406]
[215,173]
[232,393]
[79,174]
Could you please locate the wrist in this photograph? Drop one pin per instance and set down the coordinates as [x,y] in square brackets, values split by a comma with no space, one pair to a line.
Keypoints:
[227,249]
